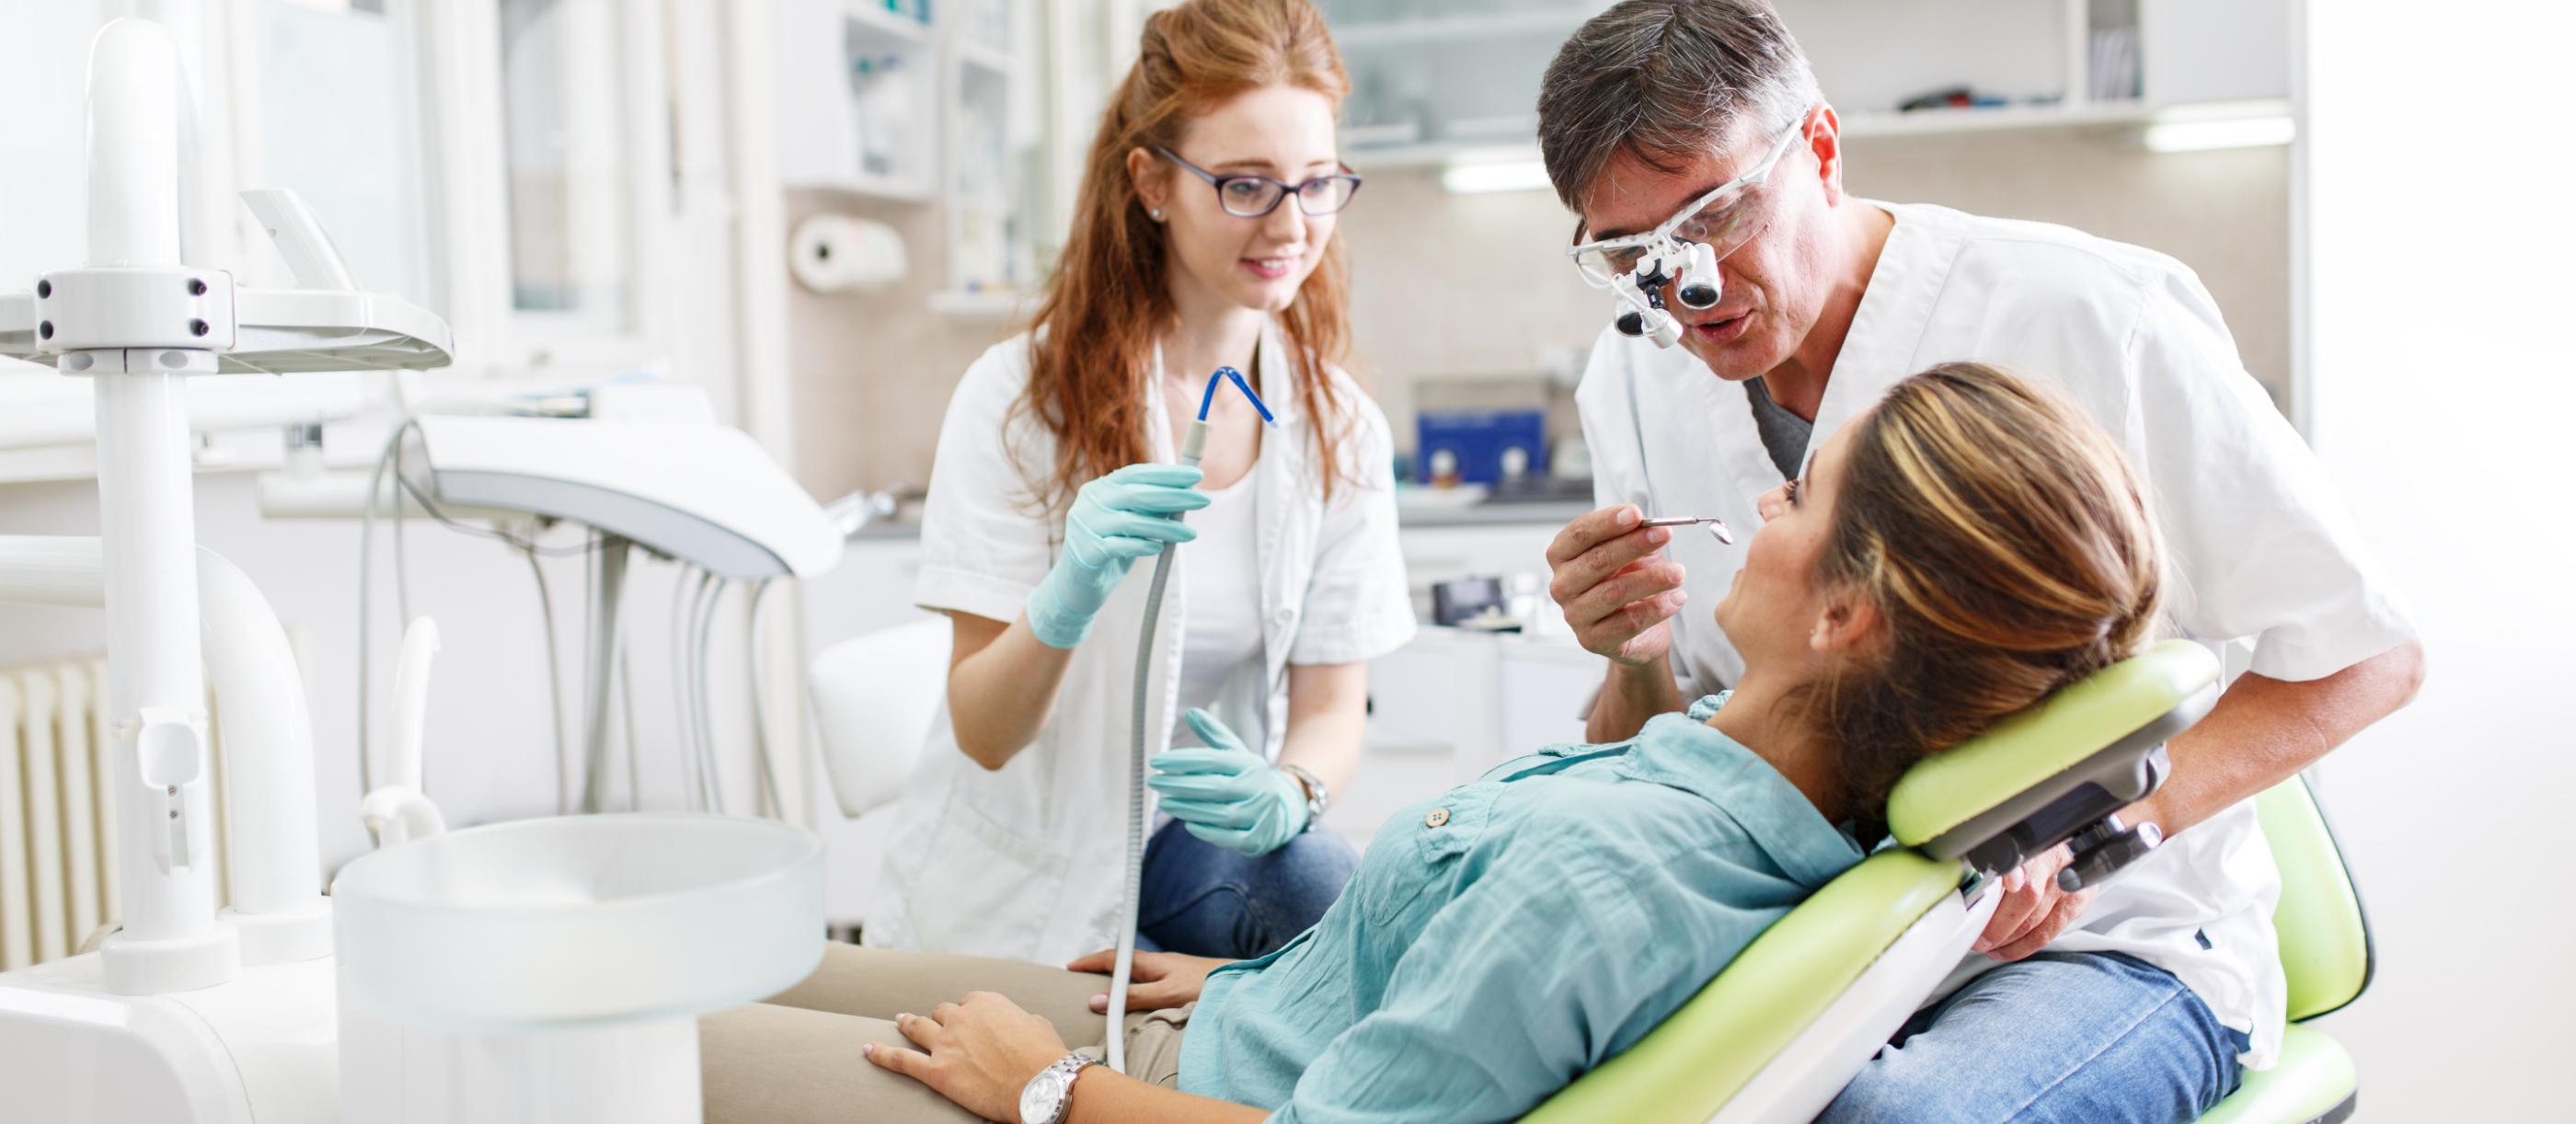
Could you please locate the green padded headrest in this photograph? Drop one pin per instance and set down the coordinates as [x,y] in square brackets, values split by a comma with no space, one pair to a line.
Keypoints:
[1946,790]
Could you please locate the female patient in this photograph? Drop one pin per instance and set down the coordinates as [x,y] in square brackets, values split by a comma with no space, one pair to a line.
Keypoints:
[1953,555]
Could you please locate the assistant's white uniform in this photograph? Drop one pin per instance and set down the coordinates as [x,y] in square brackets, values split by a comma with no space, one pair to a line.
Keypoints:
[2261,545]
[1029,861]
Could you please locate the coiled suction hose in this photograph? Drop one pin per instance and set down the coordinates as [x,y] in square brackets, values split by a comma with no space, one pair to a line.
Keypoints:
[1191,447]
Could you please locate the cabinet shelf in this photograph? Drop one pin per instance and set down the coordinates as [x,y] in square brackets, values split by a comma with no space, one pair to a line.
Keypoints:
[1927,122]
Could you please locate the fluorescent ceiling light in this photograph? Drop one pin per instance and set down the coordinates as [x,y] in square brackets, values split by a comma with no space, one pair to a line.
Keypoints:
[1477,179]
[2243,132]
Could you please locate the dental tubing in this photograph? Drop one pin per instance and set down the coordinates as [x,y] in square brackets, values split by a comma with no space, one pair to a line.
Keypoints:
[1192,446]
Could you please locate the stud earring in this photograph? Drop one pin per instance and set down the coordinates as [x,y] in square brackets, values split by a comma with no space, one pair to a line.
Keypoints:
[1157,213]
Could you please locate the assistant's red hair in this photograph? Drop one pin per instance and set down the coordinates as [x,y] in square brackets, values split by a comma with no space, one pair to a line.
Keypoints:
[1092,343]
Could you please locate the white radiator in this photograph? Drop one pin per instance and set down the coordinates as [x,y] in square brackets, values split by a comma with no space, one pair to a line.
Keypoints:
[57,866]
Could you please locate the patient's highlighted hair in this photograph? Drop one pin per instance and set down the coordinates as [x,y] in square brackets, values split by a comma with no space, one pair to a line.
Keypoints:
[2008,547]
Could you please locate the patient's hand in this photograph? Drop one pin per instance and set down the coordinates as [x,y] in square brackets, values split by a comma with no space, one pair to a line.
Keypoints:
[979,1052]
[1160,979]
[2033,911]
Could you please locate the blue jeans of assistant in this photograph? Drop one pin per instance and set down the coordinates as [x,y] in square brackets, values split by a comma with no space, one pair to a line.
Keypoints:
[1204,900]
[2073,1037]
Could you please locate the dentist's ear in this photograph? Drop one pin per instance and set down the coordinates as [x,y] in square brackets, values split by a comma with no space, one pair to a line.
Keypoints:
[1848,625]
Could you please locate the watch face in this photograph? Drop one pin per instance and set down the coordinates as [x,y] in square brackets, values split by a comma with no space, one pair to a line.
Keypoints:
[1042,1098]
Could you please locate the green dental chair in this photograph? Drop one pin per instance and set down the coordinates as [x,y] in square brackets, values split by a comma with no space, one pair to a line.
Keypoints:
[1777,1034]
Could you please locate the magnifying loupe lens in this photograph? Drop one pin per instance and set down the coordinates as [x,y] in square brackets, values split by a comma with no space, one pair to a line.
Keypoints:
[1630,324]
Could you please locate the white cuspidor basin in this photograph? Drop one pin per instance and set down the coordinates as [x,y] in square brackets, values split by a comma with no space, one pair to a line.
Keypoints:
[580,921]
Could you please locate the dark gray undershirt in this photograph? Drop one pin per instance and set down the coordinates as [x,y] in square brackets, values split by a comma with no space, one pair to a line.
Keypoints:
[1784,434]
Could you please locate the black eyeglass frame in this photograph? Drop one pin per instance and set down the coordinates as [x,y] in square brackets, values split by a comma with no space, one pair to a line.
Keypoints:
[1286,189]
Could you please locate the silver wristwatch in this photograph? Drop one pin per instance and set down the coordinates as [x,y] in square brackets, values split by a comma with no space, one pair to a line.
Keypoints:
[1048,1097]
[1318,797]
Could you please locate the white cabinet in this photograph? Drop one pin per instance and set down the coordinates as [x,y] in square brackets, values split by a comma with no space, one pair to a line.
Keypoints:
[1437,74]
[992,145]
[858,98]
[918,102]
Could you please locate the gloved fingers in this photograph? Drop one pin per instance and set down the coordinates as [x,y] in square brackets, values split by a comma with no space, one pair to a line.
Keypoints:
[1150,499]
[1212,789]
[1213,732]
[1101,553]
[1206,759]
[1238,815]
[1109,523]
[1158,474]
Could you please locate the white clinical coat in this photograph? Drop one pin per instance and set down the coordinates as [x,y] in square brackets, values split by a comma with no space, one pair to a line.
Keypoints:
[1028,861]
[2261,546]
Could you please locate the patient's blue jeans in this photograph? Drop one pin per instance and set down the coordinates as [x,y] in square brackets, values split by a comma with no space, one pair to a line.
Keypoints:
[1204,900]
[2078,1037]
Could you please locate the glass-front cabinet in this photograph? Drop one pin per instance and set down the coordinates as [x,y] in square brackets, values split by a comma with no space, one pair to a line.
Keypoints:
[1435,76]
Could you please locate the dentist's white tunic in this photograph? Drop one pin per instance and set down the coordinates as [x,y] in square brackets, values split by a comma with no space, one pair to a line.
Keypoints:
[1029,861]
[2262,547]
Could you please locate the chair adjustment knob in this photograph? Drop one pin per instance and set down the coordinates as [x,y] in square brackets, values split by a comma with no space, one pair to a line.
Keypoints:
[2104,849]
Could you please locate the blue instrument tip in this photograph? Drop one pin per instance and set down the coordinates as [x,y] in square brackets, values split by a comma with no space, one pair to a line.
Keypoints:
[1223,373]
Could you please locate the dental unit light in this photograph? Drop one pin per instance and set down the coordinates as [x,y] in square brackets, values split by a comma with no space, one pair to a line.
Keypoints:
[1193,444]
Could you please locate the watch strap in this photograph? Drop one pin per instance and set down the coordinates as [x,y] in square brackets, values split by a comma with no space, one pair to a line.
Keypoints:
[1318,797]
[1060,1075]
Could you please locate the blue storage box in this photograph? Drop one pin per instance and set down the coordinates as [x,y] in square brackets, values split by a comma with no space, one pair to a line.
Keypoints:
[1477,438]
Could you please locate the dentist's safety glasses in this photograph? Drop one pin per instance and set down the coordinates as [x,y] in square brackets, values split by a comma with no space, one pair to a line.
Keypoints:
[1710,227]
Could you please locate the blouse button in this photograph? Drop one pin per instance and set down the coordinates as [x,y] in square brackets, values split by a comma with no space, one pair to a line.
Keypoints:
[1437,817]
[1284,616]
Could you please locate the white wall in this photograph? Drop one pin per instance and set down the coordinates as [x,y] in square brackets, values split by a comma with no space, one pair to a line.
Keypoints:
[2442,391]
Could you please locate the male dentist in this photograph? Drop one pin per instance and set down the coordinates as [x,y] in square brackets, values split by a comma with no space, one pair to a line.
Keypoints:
[2139,1001]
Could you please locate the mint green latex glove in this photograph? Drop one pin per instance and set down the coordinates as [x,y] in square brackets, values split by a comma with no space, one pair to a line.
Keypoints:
[1115,520]
[1226,794]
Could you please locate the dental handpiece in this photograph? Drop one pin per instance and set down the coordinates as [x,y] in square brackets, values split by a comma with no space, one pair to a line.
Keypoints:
[1716,526]
[1122,969]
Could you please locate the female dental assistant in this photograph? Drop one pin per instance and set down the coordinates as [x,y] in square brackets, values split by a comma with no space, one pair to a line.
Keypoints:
[1204,237]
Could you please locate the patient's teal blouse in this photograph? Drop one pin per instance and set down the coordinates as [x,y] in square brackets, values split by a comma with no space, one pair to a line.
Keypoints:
[1503,938]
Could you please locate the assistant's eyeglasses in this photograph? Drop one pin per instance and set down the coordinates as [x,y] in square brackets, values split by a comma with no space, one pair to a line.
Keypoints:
[1250,197]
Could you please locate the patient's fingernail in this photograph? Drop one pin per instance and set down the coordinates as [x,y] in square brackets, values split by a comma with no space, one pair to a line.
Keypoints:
[868,1049]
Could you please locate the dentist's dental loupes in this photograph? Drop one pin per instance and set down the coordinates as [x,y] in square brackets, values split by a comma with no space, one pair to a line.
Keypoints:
[1716,526]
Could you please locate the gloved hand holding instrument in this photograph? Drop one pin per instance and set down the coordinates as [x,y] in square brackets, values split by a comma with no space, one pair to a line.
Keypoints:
[1228,795]
[1115,520]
